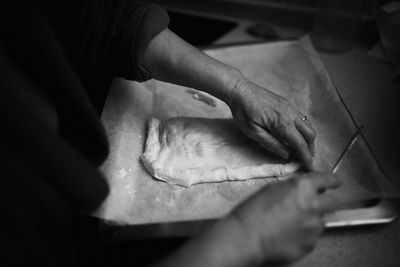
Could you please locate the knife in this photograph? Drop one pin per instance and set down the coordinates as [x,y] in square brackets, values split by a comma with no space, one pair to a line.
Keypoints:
[348,146]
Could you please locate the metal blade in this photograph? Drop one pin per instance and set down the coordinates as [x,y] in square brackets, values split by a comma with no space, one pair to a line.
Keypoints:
[346,149]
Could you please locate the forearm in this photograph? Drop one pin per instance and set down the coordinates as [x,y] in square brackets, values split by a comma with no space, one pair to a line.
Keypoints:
[224,244]
[170,59]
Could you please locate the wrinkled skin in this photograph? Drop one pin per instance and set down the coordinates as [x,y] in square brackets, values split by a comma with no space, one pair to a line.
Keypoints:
[284,220]
[272,121]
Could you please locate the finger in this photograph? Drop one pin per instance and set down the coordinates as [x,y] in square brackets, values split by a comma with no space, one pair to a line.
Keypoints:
[306,130]
[296,141]
[322,181]
[328,203]
[305,119]
[268,142]
[316,225]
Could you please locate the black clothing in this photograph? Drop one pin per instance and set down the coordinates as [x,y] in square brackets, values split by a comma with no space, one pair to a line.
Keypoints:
[57,60]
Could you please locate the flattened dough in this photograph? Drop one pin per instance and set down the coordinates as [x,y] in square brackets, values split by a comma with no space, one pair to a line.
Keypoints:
[187,151]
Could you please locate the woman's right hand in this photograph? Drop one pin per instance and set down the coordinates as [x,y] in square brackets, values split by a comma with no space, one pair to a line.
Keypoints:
[271,120]
[283,221]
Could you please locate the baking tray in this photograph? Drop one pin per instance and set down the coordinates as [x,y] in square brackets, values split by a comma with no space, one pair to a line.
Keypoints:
[139,206]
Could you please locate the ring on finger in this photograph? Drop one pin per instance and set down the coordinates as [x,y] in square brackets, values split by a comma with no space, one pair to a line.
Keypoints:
[303,117]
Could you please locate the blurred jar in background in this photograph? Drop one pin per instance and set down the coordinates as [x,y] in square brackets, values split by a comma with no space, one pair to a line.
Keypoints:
[336,24]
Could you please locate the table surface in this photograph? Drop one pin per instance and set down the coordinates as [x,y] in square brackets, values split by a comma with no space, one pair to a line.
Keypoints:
[367,88]
[291,69]
[373,97]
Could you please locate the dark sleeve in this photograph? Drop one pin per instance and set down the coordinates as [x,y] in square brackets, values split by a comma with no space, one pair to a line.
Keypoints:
[107,37]
[144,22]
[51,144]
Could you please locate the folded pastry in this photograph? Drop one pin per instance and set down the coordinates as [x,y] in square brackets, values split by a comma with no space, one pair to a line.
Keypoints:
[187,151]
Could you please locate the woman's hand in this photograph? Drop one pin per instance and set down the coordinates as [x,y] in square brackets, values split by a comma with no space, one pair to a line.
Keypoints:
[264,116]
[272,121]
[284,220]
[280,223]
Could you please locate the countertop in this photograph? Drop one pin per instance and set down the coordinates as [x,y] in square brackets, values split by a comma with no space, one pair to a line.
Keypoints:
[371,94]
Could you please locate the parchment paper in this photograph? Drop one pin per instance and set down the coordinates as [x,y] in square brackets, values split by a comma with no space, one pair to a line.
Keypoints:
[290,68]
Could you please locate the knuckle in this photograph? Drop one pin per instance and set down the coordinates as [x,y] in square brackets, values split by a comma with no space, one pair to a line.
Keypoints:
[294,182]
[306,197]
[258,136]
[302,145]
[288,124]
[276,118]
[304,184]
[284,129]
[330,179]
[315,204]
[245,125]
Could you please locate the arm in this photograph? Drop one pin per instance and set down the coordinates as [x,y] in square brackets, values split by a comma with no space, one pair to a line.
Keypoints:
[170,59]
[281,223]
[221,245]
[263,115]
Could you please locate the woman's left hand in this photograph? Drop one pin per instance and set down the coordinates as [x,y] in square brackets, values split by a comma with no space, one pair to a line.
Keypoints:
[272,121]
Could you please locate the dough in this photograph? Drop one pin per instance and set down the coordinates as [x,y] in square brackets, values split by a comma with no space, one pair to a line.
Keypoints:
[186,151]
